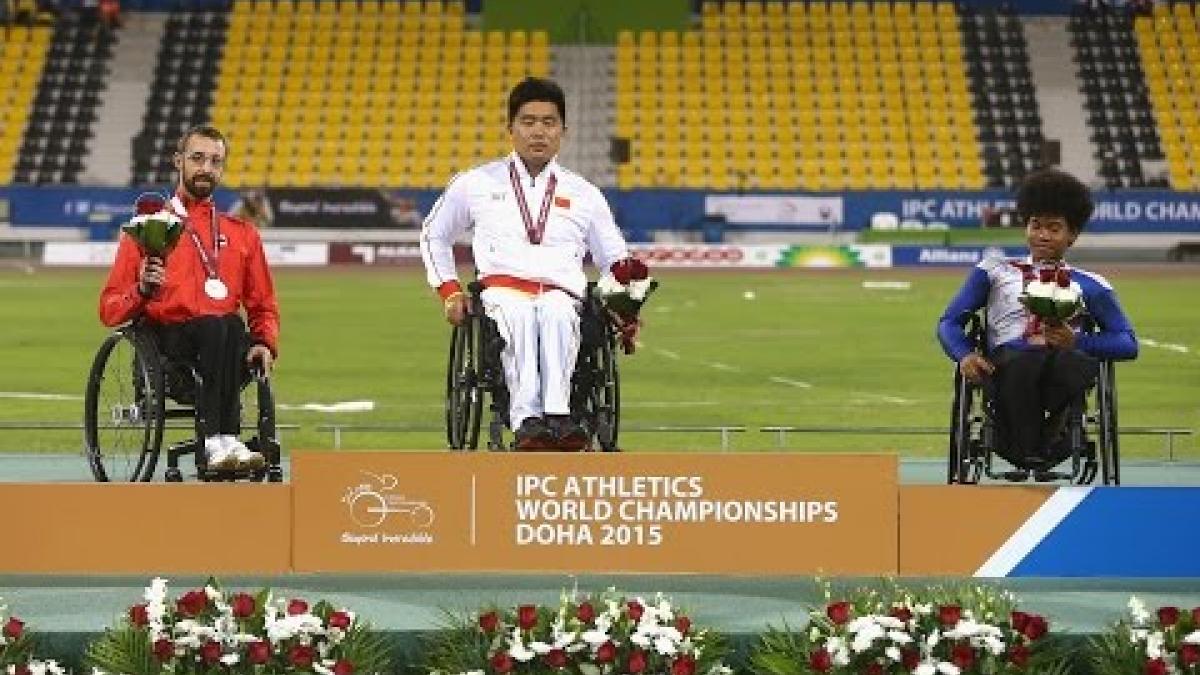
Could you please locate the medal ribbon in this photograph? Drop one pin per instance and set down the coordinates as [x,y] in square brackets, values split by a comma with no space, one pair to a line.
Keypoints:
[533,230]
[212,266]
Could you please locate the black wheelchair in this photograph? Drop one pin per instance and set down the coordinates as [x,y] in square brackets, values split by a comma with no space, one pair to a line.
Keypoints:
[1088,447]
[132,392]
[475,374]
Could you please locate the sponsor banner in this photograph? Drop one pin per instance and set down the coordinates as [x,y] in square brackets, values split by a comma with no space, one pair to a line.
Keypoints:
[62,540]
[810,210]
[386,253]
[74,206]
[763,256]
[950,256]
[102,253]
[345,208]
[1008,531]
[594,513]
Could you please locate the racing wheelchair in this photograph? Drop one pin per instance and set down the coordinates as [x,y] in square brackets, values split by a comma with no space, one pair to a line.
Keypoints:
[475,374]
[1087,447]
[132,392]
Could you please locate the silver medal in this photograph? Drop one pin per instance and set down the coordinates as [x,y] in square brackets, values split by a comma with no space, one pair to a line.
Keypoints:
[215,289]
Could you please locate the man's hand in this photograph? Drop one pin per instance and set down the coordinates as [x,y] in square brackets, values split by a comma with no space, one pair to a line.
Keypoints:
[975,368]
[455,307]
[259,352]
[151,275]
[627,330]
[1060,336]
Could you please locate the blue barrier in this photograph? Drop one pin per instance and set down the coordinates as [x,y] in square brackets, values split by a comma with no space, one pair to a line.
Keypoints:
[641,212]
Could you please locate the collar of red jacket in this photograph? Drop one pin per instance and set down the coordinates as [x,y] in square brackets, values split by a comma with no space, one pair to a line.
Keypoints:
[190,202]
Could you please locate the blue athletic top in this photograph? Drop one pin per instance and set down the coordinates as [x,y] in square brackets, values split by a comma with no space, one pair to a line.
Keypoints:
[996,283]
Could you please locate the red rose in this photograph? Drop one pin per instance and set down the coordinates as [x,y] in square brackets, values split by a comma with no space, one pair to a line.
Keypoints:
[606,652]
[1046,275]
[343,667]
[637,661]
[838,612]
[635,610]
[164,650]
[820,661]
[902,613]
[210,652]
[502,662]
[949,615]
[683,624]
[1019,656]
[296,607]
[622,271]
[527,616]
[874,669]
[910,658]
[585,612]
[1036,628]
[1196,617]
[21,669]
[556,658]
[301,656]
[1155,667]
[1168,616]
[14,628]
[259,652]
[1019,621]
[138,616]
[1062,277]
[684,665]
[488,622]
[149,203]
[962,656]
[192,603]
[339,619]
[1189,654]
[242,605]
[638,270]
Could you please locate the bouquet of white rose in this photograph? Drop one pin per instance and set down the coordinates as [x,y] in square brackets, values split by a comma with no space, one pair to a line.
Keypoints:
[1053,296]
[155,227]
[625,288]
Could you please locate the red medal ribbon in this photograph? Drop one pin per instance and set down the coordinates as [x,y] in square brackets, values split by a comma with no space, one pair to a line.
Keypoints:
[533,230]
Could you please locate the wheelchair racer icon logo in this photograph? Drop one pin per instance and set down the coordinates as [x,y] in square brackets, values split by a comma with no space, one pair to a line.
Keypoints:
[371,502]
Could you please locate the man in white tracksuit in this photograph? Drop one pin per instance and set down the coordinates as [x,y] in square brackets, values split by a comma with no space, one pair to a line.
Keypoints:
[533,222]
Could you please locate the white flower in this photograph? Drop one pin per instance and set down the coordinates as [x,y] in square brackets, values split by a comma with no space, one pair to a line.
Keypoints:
[1137,635]
[946,668]
[594,638]
[899,637]
[1192,638]
[639,288]
[994,645]
[934,638]
[230,659]
[665,646]
[1137,610]
[892,652]
[640,639]
[925,668]
[889,622]
[517,648]
[608,285]
[1154,645]
[540,647]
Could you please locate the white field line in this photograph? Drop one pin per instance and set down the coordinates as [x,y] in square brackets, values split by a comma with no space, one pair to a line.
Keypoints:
[34,396]
[886,398]
[799,384]
[337,407]
[717,365]
[1169,346]
[667,353]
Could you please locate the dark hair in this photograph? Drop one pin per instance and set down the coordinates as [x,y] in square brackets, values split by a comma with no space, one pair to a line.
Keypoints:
[204,130]
[536,89]
[1050,192]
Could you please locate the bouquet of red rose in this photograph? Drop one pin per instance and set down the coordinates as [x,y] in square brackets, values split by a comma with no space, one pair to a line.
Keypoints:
[1052,295]
[931,632]
[208,630]
[602,634]
[1164,643]
[16,649]
[155,227]
[623,291]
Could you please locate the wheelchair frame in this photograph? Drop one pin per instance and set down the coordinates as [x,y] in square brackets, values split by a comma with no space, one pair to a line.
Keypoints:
[1092,432]
[153,402]
[474,371]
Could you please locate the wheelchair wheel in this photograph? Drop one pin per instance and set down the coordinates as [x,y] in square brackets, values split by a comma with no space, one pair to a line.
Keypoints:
[1107,436]
[258,410]
[607,410]
[962,465]
[464,398]
[123,409]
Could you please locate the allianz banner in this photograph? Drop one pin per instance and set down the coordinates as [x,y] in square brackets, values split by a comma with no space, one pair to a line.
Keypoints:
[595,512]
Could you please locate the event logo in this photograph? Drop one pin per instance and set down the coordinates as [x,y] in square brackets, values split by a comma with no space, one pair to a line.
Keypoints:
[373,502]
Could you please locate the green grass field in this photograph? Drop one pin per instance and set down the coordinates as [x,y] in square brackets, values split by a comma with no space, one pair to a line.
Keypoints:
[720,348]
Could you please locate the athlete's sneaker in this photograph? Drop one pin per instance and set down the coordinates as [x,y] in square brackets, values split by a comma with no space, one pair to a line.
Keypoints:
[245,457]
[219,456]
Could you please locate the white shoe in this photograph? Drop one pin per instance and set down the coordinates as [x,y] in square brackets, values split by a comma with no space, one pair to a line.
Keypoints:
[220,457]
[245,457]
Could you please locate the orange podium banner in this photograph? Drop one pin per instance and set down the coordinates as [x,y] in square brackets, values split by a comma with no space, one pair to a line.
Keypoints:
[141,528]
[595,512]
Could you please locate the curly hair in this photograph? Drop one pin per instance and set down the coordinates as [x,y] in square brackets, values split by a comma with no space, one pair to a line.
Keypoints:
[1050,192]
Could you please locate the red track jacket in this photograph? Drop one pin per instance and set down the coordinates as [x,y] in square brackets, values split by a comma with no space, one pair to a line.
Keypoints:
[243,268]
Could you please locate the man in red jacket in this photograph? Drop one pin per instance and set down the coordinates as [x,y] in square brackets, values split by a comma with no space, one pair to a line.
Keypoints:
[190,300]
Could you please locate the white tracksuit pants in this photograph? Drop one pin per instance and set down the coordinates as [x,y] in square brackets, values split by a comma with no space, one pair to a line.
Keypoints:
[541,342]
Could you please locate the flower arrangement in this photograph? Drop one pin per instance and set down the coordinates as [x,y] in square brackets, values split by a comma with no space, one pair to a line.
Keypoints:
[16,649]
[1052,295]
[155,227]
[933,631]
[1165,643]
[208,630]
[625,288]
[597,634]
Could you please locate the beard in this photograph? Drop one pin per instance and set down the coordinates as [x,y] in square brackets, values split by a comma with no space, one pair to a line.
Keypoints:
[200,190]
